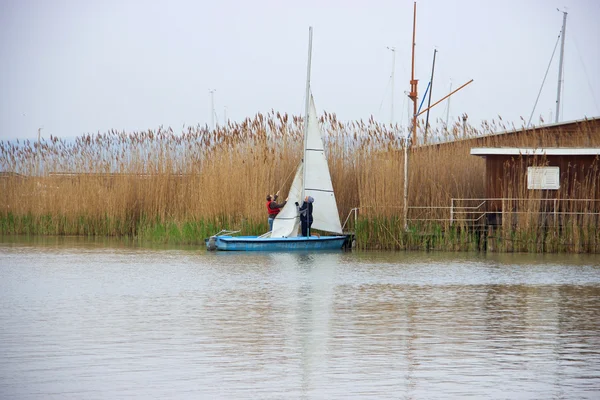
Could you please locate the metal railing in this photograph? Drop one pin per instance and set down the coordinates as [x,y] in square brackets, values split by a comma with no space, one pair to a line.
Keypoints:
[354,212]
[475,211]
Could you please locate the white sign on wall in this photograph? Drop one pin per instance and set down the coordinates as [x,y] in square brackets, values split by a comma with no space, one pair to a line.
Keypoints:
[543,178]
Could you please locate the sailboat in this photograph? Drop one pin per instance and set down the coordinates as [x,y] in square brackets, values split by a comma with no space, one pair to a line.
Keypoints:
[312,179]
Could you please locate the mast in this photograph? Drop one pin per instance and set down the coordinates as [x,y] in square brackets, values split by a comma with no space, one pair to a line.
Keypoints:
[307,105]
[413,96]
[414,82]
[430,90]
[393,50]
[560,64]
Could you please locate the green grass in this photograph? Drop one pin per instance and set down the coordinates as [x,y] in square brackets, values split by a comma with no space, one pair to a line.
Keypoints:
[376,233]
[143,228]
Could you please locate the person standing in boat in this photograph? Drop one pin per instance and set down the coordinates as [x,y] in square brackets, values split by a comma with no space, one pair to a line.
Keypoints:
[273,208]
[306,217]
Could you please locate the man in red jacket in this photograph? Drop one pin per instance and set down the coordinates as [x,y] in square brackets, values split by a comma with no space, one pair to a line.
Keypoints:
[273,208]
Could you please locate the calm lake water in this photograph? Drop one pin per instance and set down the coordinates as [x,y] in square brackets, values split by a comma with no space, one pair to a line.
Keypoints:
[83,319]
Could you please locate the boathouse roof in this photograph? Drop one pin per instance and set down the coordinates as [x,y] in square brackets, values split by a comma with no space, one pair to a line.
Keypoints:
[514,151]
[577,133]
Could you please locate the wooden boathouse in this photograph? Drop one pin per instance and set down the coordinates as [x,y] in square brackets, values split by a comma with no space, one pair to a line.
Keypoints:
[551,169]
[546,180]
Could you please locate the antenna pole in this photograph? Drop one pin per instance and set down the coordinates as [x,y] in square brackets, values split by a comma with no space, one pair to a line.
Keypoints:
[560,64]
[430,90]
[212,108]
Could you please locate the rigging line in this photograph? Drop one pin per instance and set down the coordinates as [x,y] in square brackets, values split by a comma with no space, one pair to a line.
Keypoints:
[383,97]
[408,116]
[286,179]
[586,74]
[402,108]
[424,96]
[543,81]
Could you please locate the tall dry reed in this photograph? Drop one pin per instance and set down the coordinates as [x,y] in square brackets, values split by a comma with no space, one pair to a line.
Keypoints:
[117,180]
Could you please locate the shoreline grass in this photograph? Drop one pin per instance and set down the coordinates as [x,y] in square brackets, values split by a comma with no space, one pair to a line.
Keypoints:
[385,234]
[184,187]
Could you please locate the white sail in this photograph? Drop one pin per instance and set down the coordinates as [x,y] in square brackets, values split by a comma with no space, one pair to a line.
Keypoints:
[318,180]
[286,223]
[318,185]
[312,178]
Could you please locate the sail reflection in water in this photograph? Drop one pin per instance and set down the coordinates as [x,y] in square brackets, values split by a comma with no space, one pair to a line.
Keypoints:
[88,320]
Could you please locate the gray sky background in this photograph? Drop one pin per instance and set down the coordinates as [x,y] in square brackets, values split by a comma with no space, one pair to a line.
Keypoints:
[76,66]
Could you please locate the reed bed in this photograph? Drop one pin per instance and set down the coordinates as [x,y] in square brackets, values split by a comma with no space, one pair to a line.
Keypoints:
[182,187]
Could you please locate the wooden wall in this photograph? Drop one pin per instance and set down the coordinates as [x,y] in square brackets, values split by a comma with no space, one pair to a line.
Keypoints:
[506,177]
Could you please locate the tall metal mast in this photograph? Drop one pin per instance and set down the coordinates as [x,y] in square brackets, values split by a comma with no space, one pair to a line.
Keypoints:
[413,96]
[307,105]
[414,82]
[560,64]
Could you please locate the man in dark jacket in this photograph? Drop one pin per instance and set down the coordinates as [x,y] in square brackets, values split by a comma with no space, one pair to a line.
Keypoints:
[306,217]
[273,208]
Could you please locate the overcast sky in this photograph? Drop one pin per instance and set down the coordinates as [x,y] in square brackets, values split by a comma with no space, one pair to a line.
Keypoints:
[77,66]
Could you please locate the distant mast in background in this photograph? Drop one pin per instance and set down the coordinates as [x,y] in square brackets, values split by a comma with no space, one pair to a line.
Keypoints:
[561,38]
[393,50]
[212,108]
[560,64]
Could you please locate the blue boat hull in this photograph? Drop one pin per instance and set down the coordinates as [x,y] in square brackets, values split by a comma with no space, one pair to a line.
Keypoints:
[255,243]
